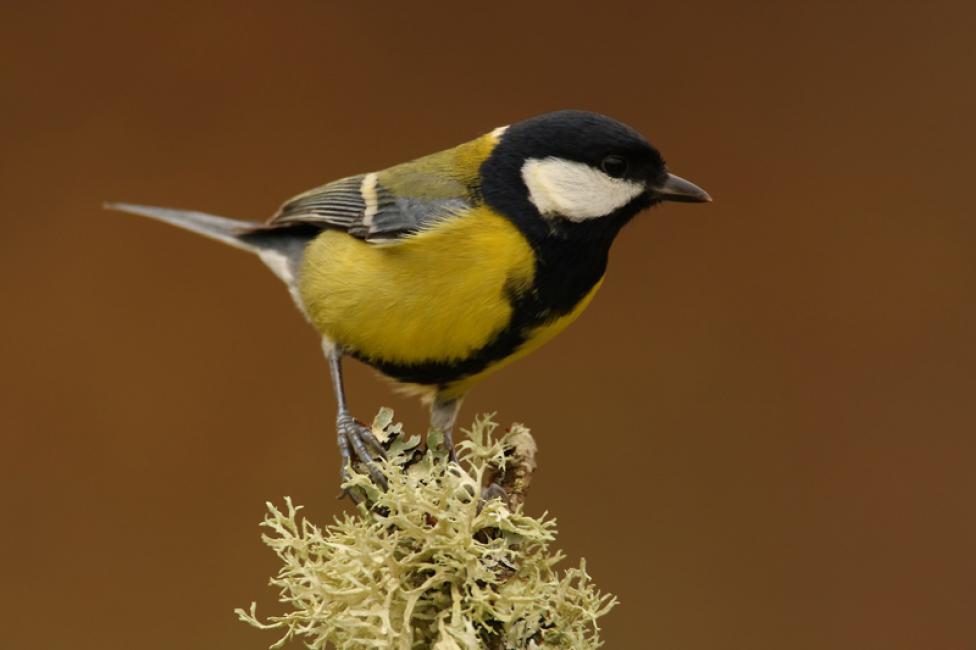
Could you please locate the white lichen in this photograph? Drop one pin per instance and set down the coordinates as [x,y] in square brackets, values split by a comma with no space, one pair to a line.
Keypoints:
[429,563]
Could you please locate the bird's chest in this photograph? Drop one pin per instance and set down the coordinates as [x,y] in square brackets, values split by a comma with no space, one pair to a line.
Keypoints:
[525,339]
[439,295]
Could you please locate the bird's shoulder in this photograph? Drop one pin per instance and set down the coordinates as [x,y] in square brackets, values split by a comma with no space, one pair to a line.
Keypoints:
[389,205]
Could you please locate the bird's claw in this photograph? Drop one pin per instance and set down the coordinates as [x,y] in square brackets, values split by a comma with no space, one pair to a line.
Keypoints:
[356,439]
[494,491]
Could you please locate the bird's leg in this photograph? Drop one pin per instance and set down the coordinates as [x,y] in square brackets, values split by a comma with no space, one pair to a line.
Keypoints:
[443,414]
[353,437]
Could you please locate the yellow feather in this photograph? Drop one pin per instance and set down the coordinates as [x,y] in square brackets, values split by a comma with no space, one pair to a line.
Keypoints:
[440,175]
[438,295]
[536,339]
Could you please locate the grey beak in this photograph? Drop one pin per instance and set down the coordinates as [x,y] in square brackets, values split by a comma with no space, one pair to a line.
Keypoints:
[675,188]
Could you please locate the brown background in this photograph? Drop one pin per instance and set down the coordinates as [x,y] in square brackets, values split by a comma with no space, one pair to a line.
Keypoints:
[760,435]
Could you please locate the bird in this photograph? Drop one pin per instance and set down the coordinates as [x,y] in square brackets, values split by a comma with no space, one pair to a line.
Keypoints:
[440,271]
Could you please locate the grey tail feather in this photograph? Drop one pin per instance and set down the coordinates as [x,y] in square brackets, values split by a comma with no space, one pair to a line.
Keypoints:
[281,249]
[228,231]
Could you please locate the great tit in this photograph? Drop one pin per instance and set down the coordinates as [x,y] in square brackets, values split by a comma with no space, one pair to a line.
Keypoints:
[439,271]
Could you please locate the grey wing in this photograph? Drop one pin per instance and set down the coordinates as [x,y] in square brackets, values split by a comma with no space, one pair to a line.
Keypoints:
[362,206]
[339,204]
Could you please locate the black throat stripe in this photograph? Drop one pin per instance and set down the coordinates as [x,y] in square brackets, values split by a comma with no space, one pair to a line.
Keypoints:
[555,292]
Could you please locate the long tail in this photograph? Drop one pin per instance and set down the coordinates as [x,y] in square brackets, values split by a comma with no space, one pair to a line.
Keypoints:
[280,248]
[228,231]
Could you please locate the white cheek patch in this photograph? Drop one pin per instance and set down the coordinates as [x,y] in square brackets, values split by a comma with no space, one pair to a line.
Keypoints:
[575,190]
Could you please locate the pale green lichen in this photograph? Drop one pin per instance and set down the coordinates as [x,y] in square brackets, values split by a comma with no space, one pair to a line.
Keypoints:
[428,563]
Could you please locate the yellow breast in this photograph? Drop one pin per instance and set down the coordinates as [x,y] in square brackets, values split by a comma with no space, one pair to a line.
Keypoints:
[438,295]
[535,339]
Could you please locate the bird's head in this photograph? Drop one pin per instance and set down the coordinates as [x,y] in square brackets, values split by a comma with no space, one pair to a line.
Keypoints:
[576,167]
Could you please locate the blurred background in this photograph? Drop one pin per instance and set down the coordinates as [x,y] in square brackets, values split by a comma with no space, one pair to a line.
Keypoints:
[760,435]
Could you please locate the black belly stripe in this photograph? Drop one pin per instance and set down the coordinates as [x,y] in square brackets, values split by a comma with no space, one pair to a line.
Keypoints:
[440,373]
[553,295]
[569,262]
[525,316]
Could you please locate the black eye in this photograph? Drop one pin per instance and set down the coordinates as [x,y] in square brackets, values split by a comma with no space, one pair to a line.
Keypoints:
[614,166]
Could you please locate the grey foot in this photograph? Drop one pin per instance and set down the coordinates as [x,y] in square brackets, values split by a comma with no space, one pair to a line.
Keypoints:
[449,445]
[494,491]
[357,440]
